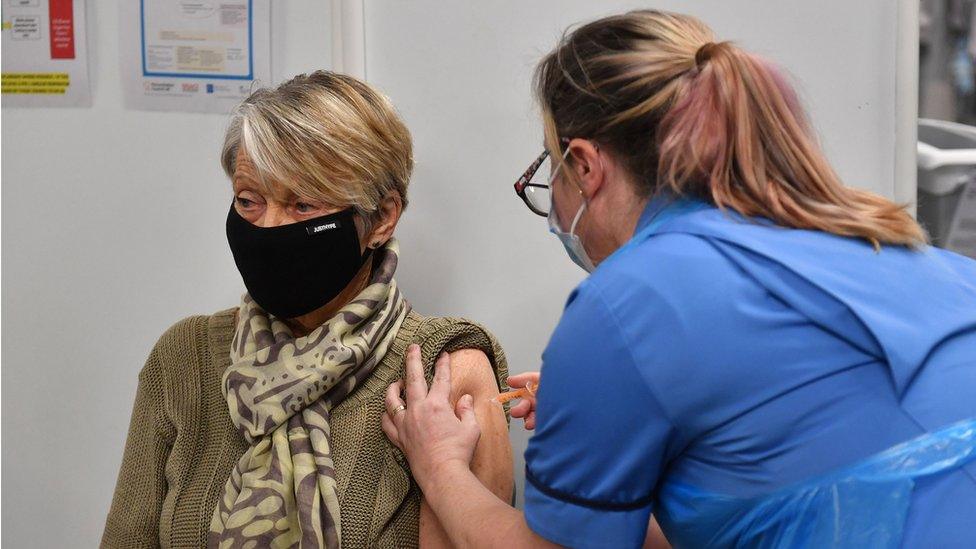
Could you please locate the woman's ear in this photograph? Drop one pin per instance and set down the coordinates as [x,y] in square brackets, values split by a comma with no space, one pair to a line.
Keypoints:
[587,166]
[389,215]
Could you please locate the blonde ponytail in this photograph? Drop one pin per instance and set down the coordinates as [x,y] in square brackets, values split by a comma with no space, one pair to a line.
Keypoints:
[705,119]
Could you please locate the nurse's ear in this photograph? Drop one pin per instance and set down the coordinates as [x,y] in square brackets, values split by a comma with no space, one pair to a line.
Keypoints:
[588,167]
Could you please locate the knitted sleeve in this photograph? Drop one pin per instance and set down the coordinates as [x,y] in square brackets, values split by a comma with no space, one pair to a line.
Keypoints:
[133,520]
[447,334]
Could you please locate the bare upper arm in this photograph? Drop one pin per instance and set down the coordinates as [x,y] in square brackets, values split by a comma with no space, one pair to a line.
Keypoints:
[472,374]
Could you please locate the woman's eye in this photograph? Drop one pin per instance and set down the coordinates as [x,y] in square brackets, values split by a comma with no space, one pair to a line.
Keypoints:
[304,207]
[244,202]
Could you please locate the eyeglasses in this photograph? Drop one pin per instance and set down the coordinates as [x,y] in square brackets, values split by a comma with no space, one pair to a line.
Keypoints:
[534,185]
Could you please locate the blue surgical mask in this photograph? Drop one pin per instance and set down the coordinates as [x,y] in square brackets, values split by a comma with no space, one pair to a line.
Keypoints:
[571,241]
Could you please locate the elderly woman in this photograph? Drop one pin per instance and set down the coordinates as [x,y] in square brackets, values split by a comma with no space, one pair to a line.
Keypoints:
[259,426]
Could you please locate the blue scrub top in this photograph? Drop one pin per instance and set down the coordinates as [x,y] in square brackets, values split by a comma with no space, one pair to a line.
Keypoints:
[738,358]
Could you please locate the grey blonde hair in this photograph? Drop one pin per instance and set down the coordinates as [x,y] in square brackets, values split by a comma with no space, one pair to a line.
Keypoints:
[324,136]
[705,119]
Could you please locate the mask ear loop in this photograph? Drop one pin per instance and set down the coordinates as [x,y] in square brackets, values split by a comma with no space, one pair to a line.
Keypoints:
[579,214]
[555,172]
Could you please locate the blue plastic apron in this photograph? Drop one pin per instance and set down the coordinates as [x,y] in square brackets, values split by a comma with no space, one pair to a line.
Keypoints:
[863,506]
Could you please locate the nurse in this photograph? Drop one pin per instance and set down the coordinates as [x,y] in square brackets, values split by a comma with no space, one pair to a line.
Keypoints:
[761,356]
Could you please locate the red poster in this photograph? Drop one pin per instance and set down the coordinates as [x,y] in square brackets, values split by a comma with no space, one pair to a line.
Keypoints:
[62,29]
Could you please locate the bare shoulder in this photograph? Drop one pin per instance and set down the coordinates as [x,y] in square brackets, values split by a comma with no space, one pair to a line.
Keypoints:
[478,360]
[472,374]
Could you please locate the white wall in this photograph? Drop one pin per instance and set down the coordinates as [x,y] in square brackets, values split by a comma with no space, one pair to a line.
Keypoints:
[460,72]
[113,229]
[113,220]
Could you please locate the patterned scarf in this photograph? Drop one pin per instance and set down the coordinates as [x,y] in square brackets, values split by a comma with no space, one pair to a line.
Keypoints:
[280,390]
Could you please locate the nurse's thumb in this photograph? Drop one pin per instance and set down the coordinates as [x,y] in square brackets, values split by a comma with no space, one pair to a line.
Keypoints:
[465,412]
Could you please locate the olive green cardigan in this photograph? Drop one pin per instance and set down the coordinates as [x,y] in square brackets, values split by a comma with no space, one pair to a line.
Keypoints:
[182,445]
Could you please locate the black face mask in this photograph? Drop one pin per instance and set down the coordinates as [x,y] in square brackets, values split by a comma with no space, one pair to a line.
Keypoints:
[291,270]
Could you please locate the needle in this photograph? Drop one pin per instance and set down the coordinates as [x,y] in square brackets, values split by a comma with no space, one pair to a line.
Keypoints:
[527,391]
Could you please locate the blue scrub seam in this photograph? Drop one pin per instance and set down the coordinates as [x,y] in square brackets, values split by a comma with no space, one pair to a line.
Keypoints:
[593,504]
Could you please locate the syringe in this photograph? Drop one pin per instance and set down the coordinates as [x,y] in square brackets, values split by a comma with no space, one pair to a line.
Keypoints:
[527,391]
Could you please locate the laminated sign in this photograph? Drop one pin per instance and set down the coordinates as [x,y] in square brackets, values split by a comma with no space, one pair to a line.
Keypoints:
[45,58]
[200,56]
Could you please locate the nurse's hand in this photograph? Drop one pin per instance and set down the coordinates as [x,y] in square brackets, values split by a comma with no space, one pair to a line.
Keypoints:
[430,432]
[526,407]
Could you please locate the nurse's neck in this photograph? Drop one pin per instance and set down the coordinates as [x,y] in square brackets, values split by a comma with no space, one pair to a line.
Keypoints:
[613,204]
[611,219]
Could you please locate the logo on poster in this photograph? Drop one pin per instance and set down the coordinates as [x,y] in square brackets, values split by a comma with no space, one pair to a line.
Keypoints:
[158,87]
[191,88]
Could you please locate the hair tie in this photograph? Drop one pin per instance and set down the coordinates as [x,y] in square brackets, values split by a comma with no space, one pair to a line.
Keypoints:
[704,53]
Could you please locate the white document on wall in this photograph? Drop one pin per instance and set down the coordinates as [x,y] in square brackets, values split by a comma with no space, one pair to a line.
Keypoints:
[197,56]
[44,54]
